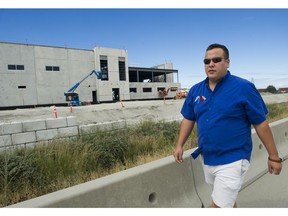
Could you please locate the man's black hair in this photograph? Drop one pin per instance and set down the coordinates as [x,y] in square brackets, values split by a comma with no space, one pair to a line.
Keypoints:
[224,48]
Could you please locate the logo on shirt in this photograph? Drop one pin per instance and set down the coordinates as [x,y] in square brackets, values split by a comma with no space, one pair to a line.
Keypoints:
[199,99]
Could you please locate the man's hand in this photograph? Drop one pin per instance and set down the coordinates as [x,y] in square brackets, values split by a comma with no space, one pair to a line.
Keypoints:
[178,154]
[274,166]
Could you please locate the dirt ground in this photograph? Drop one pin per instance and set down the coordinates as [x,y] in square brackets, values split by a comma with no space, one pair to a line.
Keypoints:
[98,113]
[106,112]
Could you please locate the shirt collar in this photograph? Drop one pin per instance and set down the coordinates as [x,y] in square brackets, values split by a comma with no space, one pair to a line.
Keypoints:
[228,74]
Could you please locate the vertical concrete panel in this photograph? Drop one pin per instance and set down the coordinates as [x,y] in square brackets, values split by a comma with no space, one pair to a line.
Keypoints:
[17,87]
[51,84]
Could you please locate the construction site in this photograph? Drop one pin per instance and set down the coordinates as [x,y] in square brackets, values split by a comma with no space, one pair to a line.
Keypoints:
[106,112]
[99,113]
[46,81]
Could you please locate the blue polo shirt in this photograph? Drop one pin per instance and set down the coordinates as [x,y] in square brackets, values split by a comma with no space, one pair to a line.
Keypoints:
[224,117]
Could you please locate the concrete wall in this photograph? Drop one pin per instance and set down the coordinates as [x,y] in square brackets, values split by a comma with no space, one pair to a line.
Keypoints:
[105,87]
[36,86]
[163,183]
[17,87]
[169,77]
[74,65]
[154,87]
[30,133]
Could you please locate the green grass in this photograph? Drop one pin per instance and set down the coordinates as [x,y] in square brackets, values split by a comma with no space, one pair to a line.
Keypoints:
[32,172]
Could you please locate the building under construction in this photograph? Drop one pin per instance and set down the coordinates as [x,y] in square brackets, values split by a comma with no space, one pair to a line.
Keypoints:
[36,75]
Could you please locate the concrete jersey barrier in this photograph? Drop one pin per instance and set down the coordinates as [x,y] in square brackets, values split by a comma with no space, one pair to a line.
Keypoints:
[163,183]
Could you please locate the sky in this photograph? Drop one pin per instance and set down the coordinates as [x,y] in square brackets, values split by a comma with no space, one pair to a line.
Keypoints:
[256,37]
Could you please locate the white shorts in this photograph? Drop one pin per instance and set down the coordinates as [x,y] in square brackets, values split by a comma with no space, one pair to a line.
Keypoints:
[226,181]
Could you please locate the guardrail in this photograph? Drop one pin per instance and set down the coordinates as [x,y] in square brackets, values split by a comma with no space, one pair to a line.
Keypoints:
[163,183]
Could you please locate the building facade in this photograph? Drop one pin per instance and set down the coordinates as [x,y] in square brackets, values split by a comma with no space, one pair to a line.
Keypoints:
[35,75]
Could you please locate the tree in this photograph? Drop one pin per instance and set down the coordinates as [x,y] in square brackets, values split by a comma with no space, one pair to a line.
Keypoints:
[271,89]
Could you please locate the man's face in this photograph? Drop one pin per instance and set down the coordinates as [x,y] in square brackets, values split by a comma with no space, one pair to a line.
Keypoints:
[215,71]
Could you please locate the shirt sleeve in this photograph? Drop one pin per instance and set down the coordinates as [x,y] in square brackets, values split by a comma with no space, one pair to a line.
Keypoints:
[188,108]
[255,107]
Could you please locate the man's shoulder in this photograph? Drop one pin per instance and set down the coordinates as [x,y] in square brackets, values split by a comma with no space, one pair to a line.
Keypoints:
[245,86]
[240,80]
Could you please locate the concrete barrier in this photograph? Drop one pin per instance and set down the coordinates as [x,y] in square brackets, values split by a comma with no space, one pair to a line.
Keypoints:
[262,189]
[163,183]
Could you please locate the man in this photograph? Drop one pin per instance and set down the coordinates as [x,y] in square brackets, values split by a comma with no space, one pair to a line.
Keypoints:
[224,107]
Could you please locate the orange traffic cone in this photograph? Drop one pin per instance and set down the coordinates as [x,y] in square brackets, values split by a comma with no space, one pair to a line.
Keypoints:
[122,103]
[71,108]
[55,112]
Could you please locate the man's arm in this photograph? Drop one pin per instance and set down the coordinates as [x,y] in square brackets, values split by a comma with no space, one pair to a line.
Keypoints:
[264,133]
[185,130]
